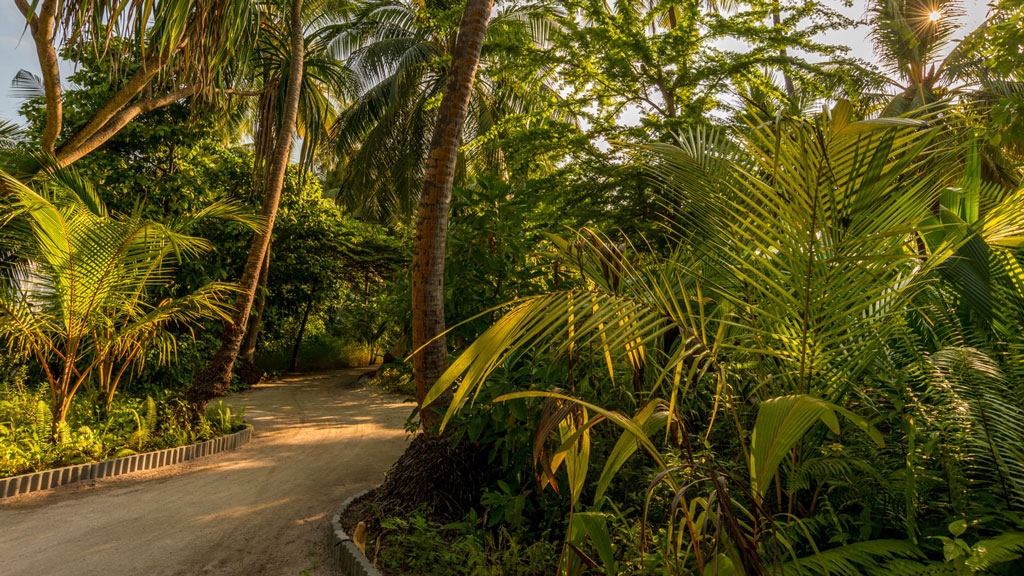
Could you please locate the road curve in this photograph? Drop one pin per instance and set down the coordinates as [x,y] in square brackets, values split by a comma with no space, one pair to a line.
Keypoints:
[261,510]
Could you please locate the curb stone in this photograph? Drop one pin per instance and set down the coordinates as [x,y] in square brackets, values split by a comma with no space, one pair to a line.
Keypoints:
[346,555]
[47,479]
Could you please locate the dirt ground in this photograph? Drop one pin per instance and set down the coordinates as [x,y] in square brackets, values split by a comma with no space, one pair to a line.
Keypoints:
[261,510]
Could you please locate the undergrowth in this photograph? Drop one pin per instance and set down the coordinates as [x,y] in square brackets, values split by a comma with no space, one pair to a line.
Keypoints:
[395,379]
[131,425]
[415,544]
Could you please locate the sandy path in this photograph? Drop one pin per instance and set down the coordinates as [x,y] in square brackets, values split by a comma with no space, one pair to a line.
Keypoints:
[263,509]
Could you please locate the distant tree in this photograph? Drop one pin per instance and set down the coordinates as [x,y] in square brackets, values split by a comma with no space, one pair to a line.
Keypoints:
[675,63]
[323,255]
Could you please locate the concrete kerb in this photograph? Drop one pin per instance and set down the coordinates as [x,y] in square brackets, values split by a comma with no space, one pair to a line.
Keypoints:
[347,556]
[47,479]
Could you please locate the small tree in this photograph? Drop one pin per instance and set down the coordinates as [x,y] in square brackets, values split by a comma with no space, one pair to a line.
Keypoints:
[74,284]
[323,258]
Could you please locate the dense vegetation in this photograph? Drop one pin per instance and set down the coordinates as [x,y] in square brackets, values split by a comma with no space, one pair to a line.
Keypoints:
[678,287]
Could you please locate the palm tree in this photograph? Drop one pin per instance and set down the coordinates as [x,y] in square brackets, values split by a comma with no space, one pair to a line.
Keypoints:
[761,239]
[431,357]
[398,51]
[325,83]
[803,245]
[910,37]
[76,280]
[911,40]
[215,378]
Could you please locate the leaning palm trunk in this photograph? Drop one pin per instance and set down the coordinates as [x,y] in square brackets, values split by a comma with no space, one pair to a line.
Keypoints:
[432,216]
[248,354]
[214,380]
[263,150]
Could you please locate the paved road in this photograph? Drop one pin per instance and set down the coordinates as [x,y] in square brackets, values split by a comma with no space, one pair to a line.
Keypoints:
[263,509]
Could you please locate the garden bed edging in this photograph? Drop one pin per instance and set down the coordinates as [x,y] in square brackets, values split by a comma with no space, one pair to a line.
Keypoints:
[47,479]
[347,556]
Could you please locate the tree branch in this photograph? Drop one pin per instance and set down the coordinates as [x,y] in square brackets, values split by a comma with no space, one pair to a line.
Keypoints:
[232,92]
[41,24]
[118,121]
[113,107]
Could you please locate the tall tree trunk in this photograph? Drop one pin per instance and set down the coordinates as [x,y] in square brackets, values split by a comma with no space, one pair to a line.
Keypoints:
[41,20]
[432,215]
[248,372]
[214,380]
[294,362]
[247,353]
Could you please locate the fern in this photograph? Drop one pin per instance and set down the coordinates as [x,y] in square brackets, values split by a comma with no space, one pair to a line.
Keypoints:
[901,567]
[220,417]
[986,408]
[145,424]
[822,469]
[858,559]
[150,415]
[41,424]
[1006,547]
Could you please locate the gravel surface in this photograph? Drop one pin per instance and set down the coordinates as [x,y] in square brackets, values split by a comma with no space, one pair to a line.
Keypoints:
[263,509]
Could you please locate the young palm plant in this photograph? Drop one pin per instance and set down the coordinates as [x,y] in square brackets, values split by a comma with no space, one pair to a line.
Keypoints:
[801,245]
[77,284]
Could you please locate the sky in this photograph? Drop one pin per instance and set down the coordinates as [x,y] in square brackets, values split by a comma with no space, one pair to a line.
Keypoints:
[18,52]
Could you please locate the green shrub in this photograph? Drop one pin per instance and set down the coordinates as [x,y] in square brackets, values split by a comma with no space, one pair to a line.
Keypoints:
[131,425]
[417,545]
[322,351]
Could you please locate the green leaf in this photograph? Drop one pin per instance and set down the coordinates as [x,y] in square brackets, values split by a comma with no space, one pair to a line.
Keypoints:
[781,423]
[958,527]
[595,526]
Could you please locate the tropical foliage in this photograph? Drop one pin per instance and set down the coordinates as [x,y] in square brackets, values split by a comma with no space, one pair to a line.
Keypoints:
[823,269]
[77,282]
[679,287]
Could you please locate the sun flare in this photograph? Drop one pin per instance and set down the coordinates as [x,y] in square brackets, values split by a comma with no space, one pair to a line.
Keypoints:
[935,15]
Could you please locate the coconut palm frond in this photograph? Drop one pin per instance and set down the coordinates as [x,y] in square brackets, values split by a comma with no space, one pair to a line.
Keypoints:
[77,282]
[27,85]
[818,254]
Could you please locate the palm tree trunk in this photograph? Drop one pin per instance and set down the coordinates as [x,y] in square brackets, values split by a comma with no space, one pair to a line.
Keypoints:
[432,215]
[248,351]
[214,380]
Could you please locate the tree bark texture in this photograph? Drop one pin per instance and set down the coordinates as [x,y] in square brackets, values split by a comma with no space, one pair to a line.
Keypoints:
[41,25]
[432,216]
[248,352]
[215,379]
[67,155]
